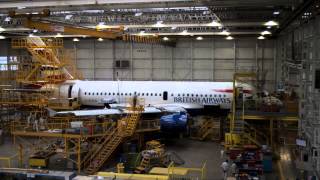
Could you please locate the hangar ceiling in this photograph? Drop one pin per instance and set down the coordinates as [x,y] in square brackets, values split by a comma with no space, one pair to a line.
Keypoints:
[162,17]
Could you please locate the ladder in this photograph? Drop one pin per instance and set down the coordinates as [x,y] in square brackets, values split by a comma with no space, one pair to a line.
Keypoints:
[205,129]
[143,165]
[108,143]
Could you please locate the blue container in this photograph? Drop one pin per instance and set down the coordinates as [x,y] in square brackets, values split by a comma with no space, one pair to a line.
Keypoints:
[174,122]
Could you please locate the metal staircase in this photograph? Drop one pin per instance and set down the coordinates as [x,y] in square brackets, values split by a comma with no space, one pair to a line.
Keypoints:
[108,143]
[48,65]
[145,162]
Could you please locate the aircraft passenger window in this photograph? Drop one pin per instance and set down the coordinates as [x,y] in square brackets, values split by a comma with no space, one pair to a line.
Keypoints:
[147,94]
[215,95]
[219,95]
[205,95]
[224,95]
[201,95]
[183,95]
[121,94]
[196,95]
[188,95]
[138,94]
[105,93]
[109,94]
[89,94]
[118,94]
[129,94]
[165,95]
[125,94]
[192,95]
[210,95]
[142,94]
[151,94]
[155,94]
[85,93]
[100,94]
[113,93]
[178,95]
[171,94]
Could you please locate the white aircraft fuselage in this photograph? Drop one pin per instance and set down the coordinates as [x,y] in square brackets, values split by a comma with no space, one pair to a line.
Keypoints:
[184,94]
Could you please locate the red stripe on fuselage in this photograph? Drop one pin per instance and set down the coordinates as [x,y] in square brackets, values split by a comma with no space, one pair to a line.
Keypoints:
[231,91]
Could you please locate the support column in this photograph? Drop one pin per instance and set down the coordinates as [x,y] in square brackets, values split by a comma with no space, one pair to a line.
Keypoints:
[79,155]
[235,56]
[191,59]
[151,62]
[172,64]
[131,60]
[212,58]
[271,132]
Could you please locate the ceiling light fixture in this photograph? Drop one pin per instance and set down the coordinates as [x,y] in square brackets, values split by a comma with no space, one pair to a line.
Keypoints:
[1,29]
[199,38]
[214,24]
[7,19]
[159,24]
[68,17]
[261,37]
[225,32]
[75,40]
[100,39]
[184,32]
[229,38]
[35,30]
[31,35]
[271,23]
[165,38]
[266,33]
[138,14]
[276,13]
[59,35]
[174,27]
[2,37]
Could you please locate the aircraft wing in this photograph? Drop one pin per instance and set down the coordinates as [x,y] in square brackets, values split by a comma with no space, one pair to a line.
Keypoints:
[177,107]
[96,112]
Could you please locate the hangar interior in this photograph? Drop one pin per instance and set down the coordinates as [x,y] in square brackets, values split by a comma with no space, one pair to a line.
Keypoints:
[167,89]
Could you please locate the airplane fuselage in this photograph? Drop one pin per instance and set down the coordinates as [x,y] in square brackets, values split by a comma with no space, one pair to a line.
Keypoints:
[193,94]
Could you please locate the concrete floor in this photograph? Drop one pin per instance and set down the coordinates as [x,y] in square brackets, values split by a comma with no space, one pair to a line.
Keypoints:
[195,153]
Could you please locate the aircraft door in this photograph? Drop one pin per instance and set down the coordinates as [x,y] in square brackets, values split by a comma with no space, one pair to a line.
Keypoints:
[165,95]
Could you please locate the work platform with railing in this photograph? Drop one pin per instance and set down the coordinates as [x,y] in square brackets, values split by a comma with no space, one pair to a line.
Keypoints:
[253,123]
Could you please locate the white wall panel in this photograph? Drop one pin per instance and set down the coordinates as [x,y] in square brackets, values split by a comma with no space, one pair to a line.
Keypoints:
[85,53]
[207,60]
[182,74]
[103,73]
[140,74]
[85,64]
[246,53]
[142,53]
[142,64]
[182,53]
[103,53]
[161,74]
[182,64]
[224,53]
[202,53]
[202,64]
[87,73]
[224,64]
[224,75]
[162,64]
[202,75]
[103,63]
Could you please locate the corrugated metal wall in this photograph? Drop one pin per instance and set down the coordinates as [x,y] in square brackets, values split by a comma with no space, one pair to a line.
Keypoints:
[190,60]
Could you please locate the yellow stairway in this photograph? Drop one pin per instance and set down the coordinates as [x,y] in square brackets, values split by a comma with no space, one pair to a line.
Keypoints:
[108,143]
[143,165]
